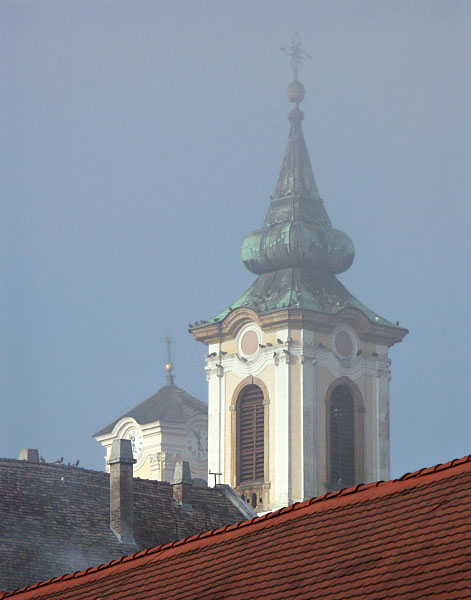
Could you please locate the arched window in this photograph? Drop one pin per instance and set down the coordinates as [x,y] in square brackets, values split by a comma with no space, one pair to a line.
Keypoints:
[250,435]
[342,438]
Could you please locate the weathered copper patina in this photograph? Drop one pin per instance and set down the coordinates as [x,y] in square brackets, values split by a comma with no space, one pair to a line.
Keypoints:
[297,253]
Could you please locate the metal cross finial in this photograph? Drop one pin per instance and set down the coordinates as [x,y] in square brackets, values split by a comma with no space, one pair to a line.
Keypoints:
[297,54]
[169,342]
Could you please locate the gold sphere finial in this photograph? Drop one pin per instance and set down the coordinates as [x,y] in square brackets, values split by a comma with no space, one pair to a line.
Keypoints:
[295,92]
[169,363]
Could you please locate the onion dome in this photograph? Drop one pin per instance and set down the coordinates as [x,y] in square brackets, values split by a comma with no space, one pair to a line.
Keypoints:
[297,231]
[297,244]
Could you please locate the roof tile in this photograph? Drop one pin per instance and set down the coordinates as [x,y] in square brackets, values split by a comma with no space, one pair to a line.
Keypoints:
[170,403]
[408,538]
[65,512]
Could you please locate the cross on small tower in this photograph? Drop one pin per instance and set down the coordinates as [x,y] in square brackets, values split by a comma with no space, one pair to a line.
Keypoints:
[169,363]
[297,54]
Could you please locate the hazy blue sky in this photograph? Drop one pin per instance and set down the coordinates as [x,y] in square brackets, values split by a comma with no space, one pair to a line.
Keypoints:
[141,143]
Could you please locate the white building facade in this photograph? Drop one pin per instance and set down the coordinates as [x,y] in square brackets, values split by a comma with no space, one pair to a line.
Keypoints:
[170,426]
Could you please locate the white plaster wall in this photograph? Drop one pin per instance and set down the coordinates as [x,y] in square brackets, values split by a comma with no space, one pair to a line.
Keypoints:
[163,444]
[308,374]
[382,426]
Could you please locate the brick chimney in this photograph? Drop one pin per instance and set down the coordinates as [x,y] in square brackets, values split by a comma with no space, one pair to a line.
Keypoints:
[121,491]
[29,454]
[182,485]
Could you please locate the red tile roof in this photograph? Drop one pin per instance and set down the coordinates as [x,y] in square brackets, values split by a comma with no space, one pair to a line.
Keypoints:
[408,538]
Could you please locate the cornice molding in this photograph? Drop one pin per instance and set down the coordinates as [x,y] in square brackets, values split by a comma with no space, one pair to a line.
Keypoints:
[300,319]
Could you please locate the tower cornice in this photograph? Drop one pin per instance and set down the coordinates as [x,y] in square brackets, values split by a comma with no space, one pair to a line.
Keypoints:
[367,331]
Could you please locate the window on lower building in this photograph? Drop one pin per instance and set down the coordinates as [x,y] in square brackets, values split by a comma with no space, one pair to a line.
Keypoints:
[251,435]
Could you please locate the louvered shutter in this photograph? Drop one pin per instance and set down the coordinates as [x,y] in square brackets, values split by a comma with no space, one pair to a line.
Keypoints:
[342,438]
[251,435]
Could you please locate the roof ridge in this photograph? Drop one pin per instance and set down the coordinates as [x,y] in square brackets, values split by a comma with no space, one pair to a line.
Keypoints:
[210,533]
[50,464]
[81,469]
[105,474]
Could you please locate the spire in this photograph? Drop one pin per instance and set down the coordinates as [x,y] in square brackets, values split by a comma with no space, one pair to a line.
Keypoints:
[296,176]
[296,253]
[297,232]
[169,363]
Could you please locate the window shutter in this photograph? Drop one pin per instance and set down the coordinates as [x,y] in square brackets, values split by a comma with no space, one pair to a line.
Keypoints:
[342,438]
[251,435]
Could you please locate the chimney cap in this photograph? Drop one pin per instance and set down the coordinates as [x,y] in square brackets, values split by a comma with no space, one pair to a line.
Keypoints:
[182,484]
[182,472]
[29,455]
[121,452]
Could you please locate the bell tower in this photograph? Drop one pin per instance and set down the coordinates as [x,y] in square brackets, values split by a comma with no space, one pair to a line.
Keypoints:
[297,367]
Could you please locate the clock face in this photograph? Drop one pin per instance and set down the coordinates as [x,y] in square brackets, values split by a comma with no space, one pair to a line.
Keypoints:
[197,442]
[137,442]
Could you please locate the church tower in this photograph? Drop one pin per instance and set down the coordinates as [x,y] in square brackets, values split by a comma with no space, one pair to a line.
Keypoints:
[298,368]
[168,427]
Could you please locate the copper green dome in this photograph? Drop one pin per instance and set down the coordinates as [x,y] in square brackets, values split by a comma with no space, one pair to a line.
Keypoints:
[297,231]
[296,253]
[297,244]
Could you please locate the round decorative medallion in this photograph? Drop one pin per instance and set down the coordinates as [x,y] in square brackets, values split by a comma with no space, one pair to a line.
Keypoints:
[343,344]
[249,342]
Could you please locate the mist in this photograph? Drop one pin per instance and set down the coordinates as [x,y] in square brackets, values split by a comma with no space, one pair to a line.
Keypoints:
[142,141]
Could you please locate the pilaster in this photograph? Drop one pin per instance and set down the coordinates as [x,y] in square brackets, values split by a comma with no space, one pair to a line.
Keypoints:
[216,412]
[382,424]
[282,420]
[308,383]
